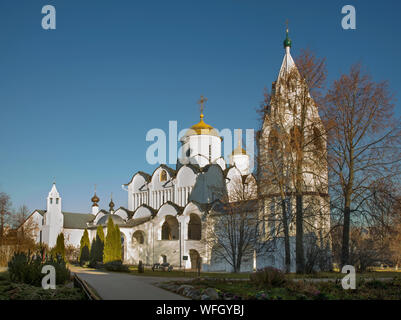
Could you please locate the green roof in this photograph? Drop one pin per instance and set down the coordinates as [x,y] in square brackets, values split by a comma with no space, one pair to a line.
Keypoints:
[77,220]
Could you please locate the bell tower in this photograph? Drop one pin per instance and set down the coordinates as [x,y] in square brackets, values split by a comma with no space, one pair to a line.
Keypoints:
[53,219]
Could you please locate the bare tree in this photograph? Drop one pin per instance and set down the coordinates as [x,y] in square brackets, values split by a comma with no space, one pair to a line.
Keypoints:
[233,230]
[273,175]
[293,148]
[5,210]
[26,229]
[364,144]
[395,243]
[19,216]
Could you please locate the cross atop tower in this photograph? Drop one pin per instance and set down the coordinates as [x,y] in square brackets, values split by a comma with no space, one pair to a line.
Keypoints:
[287,41]
[201,102]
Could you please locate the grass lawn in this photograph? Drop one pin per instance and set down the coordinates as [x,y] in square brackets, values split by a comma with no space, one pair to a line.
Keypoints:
[377,274]
[20,291]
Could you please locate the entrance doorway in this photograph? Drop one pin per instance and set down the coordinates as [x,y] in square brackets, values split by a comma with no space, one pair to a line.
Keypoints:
[196,260]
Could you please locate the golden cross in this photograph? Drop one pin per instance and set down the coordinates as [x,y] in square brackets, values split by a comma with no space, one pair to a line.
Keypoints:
[286,23]
[201,101]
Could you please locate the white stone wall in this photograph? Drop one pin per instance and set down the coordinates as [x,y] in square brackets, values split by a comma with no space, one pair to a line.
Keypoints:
[34,224]
[200,149]
[73,236]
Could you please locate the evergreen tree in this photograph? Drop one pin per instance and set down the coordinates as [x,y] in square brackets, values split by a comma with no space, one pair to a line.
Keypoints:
[84,253]
[60,247]
[100,233]
[96,252]
[109,244]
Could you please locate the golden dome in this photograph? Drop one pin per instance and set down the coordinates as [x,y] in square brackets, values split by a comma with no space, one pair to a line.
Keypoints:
[202,128]
[111,204]
[95,199]
[238,150]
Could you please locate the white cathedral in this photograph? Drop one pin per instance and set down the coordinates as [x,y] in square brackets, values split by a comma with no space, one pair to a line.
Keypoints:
[164,218]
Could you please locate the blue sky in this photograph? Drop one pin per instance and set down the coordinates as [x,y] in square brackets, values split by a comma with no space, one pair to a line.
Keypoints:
[76,102]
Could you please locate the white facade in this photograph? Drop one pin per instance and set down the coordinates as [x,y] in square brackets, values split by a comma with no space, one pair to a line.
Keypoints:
[166,210]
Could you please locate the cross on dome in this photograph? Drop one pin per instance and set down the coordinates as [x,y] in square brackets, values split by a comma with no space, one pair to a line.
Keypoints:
[201,102]
[239,149]
[287,41]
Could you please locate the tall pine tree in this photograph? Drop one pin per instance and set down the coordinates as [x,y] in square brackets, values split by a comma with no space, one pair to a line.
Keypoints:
[60,247]
[84,253]
[96,253]
[100,233]
[109,244]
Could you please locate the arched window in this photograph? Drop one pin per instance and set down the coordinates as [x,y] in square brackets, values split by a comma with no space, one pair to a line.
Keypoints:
[194,227]
[166,232]
[196,260]
[273,140]
[163,176]
[317,139]
[170,228]
[138,237]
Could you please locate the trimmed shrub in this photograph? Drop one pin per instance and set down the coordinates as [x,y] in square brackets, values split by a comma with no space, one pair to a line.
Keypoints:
[116,266]
[28,269]
[25,269]
[268,277]
[62,273]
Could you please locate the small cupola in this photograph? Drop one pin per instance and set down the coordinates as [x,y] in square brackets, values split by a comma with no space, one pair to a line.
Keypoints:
[95,207]
[111,204]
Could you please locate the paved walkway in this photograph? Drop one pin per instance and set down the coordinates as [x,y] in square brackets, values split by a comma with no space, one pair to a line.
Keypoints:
[121,286]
